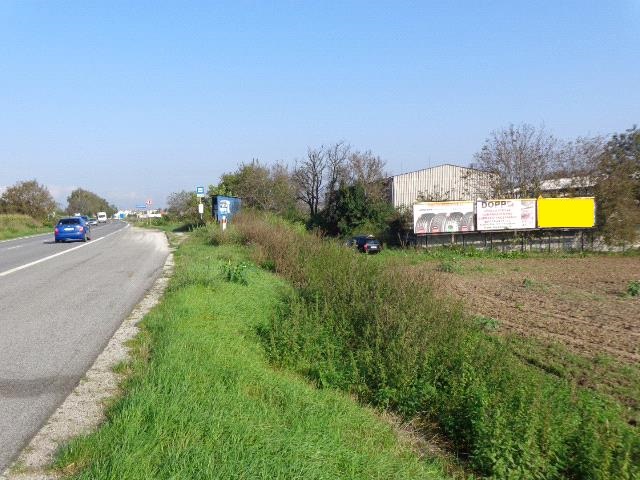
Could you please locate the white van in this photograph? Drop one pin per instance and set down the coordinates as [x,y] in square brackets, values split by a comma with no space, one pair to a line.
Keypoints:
[102,217]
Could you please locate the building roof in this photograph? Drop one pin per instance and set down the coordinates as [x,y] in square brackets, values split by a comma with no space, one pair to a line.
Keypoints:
[439,166]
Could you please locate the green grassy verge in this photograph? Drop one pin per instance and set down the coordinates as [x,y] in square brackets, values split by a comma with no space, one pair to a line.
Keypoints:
[14,226]
[201,400]
[165,224]
[378,329]
[458,252]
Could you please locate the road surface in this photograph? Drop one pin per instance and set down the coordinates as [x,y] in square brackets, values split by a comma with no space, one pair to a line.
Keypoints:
[59,306]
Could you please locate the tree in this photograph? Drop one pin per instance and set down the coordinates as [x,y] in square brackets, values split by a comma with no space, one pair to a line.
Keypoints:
[521,158]
[337,156]
[618,187]
[183,205]
[367,170]
[28,198]
[308,176]
[86,202]
[356,212]
[580,160]
[261,187]
[360,204]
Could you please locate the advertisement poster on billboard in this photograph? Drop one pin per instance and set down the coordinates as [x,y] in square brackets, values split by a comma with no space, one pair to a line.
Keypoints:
[576,212]
[506,214]
[443,217]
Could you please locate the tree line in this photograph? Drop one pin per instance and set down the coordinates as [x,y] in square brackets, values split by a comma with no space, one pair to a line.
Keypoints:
[336,188]
[34,199]
[343,191]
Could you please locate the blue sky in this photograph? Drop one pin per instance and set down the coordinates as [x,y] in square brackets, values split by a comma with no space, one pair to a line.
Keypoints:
[135,100]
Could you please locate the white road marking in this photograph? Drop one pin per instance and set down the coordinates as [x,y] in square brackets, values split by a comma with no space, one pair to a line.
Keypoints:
[30,264]
[13,248]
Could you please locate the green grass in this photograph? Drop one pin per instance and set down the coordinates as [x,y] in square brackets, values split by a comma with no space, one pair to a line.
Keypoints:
[620,382]
[202,401]
[14,226]
[458,252]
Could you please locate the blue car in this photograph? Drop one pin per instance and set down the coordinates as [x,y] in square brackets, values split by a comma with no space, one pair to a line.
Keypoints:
[72,228]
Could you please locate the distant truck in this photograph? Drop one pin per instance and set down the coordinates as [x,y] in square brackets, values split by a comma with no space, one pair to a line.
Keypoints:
[102,217]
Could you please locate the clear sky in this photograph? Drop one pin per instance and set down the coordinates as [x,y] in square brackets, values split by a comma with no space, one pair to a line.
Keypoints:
[135,100]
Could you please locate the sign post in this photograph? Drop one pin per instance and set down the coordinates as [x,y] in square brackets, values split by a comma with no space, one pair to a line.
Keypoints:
[200,195]
[148,203]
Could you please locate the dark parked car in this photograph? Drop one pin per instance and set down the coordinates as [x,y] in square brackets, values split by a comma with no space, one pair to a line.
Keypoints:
[366,244]
[72,228]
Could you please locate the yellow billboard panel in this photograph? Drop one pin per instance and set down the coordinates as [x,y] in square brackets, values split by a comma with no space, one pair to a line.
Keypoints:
[578,212]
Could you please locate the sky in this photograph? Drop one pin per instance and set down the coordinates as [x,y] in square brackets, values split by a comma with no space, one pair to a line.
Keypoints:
[134,100]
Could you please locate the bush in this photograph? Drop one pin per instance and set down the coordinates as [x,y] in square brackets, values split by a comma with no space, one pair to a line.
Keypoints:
[379,331]
[236,273]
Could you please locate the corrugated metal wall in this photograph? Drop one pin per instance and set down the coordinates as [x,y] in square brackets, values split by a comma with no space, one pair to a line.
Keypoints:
[444,182]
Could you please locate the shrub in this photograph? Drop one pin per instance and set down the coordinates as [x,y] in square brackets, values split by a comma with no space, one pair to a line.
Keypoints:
[236,273]
[633,289]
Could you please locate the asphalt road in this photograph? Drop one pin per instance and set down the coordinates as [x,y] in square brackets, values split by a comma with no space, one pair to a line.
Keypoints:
[59,306]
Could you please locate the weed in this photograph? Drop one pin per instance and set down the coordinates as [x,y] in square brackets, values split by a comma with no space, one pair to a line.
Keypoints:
[450,266]
[486,323]
[236,273]
[633,289]
[527,283]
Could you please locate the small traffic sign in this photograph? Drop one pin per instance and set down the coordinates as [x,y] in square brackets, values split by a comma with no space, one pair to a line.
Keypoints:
[200,192]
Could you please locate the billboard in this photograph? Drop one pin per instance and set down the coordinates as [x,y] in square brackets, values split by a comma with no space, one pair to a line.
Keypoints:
[443,217]
[578,212]
[506,214]
[223,206]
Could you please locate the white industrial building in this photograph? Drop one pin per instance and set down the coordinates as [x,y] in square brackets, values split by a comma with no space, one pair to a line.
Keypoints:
[441,183]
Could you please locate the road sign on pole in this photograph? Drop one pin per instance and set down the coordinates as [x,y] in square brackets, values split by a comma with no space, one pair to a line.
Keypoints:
[200,192]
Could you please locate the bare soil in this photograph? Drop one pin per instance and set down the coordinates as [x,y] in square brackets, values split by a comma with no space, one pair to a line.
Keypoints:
[580,303]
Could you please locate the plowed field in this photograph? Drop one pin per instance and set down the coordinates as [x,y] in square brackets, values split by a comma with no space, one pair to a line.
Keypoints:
[578,302]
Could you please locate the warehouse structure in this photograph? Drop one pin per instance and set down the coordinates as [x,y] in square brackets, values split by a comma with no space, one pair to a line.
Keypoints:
[440,183]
